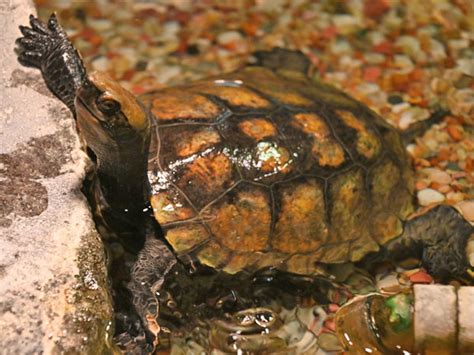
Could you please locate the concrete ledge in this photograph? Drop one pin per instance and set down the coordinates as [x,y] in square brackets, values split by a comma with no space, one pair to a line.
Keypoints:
[53,283]
[435,319]
[466,320]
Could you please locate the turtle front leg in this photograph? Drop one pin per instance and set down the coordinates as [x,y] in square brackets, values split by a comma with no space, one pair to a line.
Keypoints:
[47,47]
[148,273]
[440,237]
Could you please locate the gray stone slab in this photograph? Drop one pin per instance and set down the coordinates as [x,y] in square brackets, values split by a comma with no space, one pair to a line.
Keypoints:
[435,319]
[466,320]
[53,294]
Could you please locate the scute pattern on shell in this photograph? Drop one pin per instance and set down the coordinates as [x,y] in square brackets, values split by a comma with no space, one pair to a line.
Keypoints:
[271,169]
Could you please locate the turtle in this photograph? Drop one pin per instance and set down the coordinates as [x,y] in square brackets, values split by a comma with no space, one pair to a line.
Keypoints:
[259,169]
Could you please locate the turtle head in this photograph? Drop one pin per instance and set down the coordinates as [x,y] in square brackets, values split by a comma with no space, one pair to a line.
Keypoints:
[107,113]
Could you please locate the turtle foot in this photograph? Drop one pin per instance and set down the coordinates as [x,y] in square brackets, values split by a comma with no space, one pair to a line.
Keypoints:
[444,244]
[39,41]
[46,46]
[441,236]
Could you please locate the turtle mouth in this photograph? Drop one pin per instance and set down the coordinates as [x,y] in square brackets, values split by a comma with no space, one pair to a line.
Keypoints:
[83,105]
[91,125]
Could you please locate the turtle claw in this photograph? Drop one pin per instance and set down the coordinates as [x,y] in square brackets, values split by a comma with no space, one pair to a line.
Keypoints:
[30,59]
[53,24]
[28,32]
[38,26]
[27,43]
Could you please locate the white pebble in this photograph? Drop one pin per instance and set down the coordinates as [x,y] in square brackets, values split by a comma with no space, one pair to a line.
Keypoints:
[228,37]
[403,62]
[389,284]
[346,23]
[437,50]
[340,47]
[466,66]
[429,196]
[167,72]
[376,37]
[470,252]
[467,210]
[413,114]
[461,102]
[408,44]
[398,108]
[374,58]
[100,64]
[457,45]
[100,25]
[436,175]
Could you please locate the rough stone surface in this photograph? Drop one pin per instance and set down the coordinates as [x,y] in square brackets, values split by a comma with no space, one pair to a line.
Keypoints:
[53,294]
[435,320]
[466,320]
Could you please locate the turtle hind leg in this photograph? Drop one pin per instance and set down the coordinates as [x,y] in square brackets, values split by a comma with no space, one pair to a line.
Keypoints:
[280,58]
[440,238]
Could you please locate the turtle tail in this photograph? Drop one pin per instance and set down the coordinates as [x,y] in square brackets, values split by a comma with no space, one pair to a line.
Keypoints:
[417,129]
[281,58]
[47,47]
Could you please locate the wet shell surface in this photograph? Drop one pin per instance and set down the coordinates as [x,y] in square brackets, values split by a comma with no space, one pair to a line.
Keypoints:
[260,168]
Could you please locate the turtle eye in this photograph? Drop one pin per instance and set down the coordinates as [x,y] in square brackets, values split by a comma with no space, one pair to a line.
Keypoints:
[108,106]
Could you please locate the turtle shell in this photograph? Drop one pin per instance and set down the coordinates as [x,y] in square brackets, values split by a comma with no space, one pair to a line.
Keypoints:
[260,168]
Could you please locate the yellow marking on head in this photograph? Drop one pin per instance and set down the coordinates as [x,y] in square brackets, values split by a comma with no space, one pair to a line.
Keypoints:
[113,90]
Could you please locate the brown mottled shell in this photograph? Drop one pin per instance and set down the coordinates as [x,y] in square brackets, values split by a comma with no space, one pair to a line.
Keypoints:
[256,169]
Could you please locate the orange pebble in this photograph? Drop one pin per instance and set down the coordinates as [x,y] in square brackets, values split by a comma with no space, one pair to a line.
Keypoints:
[435,185]
[455,132]
[443,154]
[372,73]
[420,185]
[250,28]
[385,47]
[421,277]
[469,164]
[375,9]
[400,82]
